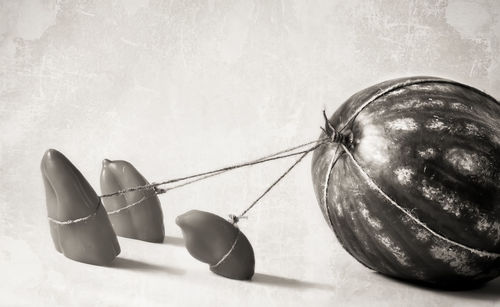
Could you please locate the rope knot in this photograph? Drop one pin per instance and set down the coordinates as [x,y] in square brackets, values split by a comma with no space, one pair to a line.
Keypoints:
[332,133]
[234,219]
[158,190]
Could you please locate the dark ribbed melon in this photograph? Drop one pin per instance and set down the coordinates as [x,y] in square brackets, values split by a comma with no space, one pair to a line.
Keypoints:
[414,193]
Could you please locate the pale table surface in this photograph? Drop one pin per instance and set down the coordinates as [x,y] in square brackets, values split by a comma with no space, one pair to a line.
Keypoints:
[147,274]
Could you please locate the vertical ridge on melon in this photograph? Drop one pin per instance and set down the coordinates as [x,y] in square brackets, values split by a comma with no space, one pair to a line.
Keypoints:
[415,194]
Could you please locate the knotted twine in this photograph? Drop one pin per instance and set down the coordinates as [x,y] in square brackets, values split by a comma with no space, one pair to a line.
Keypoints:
[186,180]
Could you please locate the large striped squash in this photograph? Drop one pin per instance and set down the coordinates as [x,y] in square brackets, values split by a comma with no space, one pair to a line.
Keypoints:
[414,190]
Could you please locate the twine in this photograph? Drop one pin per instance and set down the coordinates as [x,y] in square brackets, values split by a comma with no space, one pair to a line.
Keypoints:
[235,219]
[154,186]
[69,222]
[140,201]
[332,136]
[228,252]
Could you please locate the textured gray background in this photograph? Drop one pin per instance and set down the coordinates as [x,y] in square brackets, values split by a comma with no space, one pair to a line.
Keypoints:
[180,86]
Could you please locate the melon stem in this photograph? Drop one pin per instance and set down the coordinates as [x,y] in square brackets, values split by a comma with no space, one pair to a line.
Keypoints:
[334,135]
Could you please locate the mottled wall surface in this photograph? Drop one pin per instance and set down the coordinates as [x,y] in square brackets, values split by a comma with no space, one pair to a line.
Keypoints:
[180,86]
